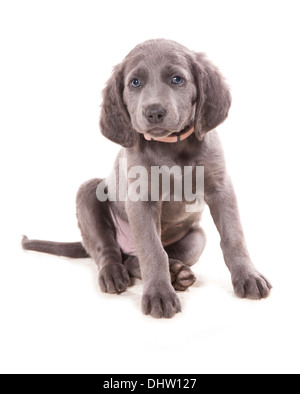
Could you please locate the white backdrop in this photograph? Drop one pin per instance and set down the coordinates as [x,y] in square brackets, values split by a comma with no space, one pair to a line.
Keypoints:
[55,59]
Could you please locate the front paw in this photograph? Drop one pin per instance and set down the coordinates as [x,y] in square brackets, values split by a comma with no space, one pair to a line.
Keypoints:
[251,284]
[113,278]
[160,303]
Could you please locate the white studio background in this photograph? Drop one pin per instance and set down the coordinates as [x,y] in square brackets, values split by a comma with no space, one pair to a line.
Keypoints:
[55,59]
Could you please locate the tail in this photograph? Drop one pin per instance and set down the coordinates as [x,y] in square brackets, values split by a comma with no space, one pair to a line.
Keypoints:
[67,249]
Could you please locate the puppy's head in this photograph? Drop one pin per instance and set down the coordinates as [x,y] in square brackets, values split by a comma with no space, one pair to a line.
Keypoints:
[161,88]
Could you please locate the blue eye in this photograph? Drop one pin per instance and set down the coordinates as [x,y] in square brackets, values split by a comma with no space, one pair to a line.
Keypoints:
[177,80]
[135,83]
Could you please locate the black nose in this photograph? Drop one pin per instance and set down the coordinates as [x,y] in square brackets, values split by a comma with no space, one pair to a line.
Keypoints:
[155,113]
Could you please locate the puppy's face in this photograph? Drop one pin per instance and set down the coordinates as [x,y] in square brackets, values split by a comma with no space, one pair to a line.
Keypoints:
[159,89]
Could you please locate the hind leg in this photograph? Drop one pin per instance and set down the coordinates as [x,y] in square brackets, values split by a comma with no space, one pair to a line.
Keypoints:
[182,276]
[133,266]
[183,254]
[99,238]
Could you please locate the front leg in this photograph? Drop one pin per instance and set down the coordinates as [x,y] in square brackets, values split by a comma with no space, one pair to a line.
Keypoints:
[159,298]
[246,280]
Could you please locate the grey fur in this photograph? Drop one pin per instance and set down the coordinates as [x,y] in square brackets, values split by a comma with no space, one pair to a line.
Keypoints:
[204,100]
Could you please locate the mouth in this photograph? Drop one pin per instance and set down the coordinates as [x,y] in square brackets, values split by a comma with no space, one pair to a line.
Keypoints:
[157,133]
[169,136]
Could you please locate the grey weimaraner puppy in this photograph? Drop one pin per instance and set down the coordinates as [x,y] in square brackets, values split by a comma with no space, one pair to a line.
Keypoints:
[162,104]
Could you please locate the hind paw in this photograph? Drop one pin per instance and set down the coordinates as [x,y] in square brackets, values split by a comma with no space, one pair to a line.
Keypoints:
[182,276]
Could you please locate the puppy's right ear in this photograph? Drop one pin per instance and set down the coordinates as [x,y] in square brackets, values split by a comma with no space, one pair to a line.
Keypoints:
[115,121]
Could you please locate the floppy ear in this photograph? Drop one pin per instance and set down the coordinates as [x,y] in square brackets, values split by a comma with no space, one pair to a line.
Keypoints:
[115,121]
[213,96]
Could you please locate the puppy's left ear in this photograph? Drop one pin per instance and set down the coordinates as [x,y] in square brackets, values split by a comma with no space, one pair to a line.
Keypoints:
[115,123]
[213,96]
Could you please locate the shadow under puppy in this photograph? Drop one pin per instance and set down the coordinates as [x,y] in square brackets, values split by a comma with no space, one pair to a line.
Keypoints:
[159,105]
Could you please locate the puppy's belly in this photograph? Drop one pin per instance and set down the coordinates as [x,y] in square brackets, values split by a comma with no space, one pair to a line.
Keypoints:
[123,235]
[172,234]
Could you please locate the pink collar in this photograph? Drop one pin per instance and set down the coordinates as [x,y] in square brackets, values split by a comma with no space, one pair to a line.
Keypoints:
[174,137]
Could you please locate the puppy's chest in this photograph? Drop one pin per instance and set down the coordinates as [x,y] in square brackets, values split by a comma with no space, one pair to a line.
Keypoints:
[175,183]
[173,212]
